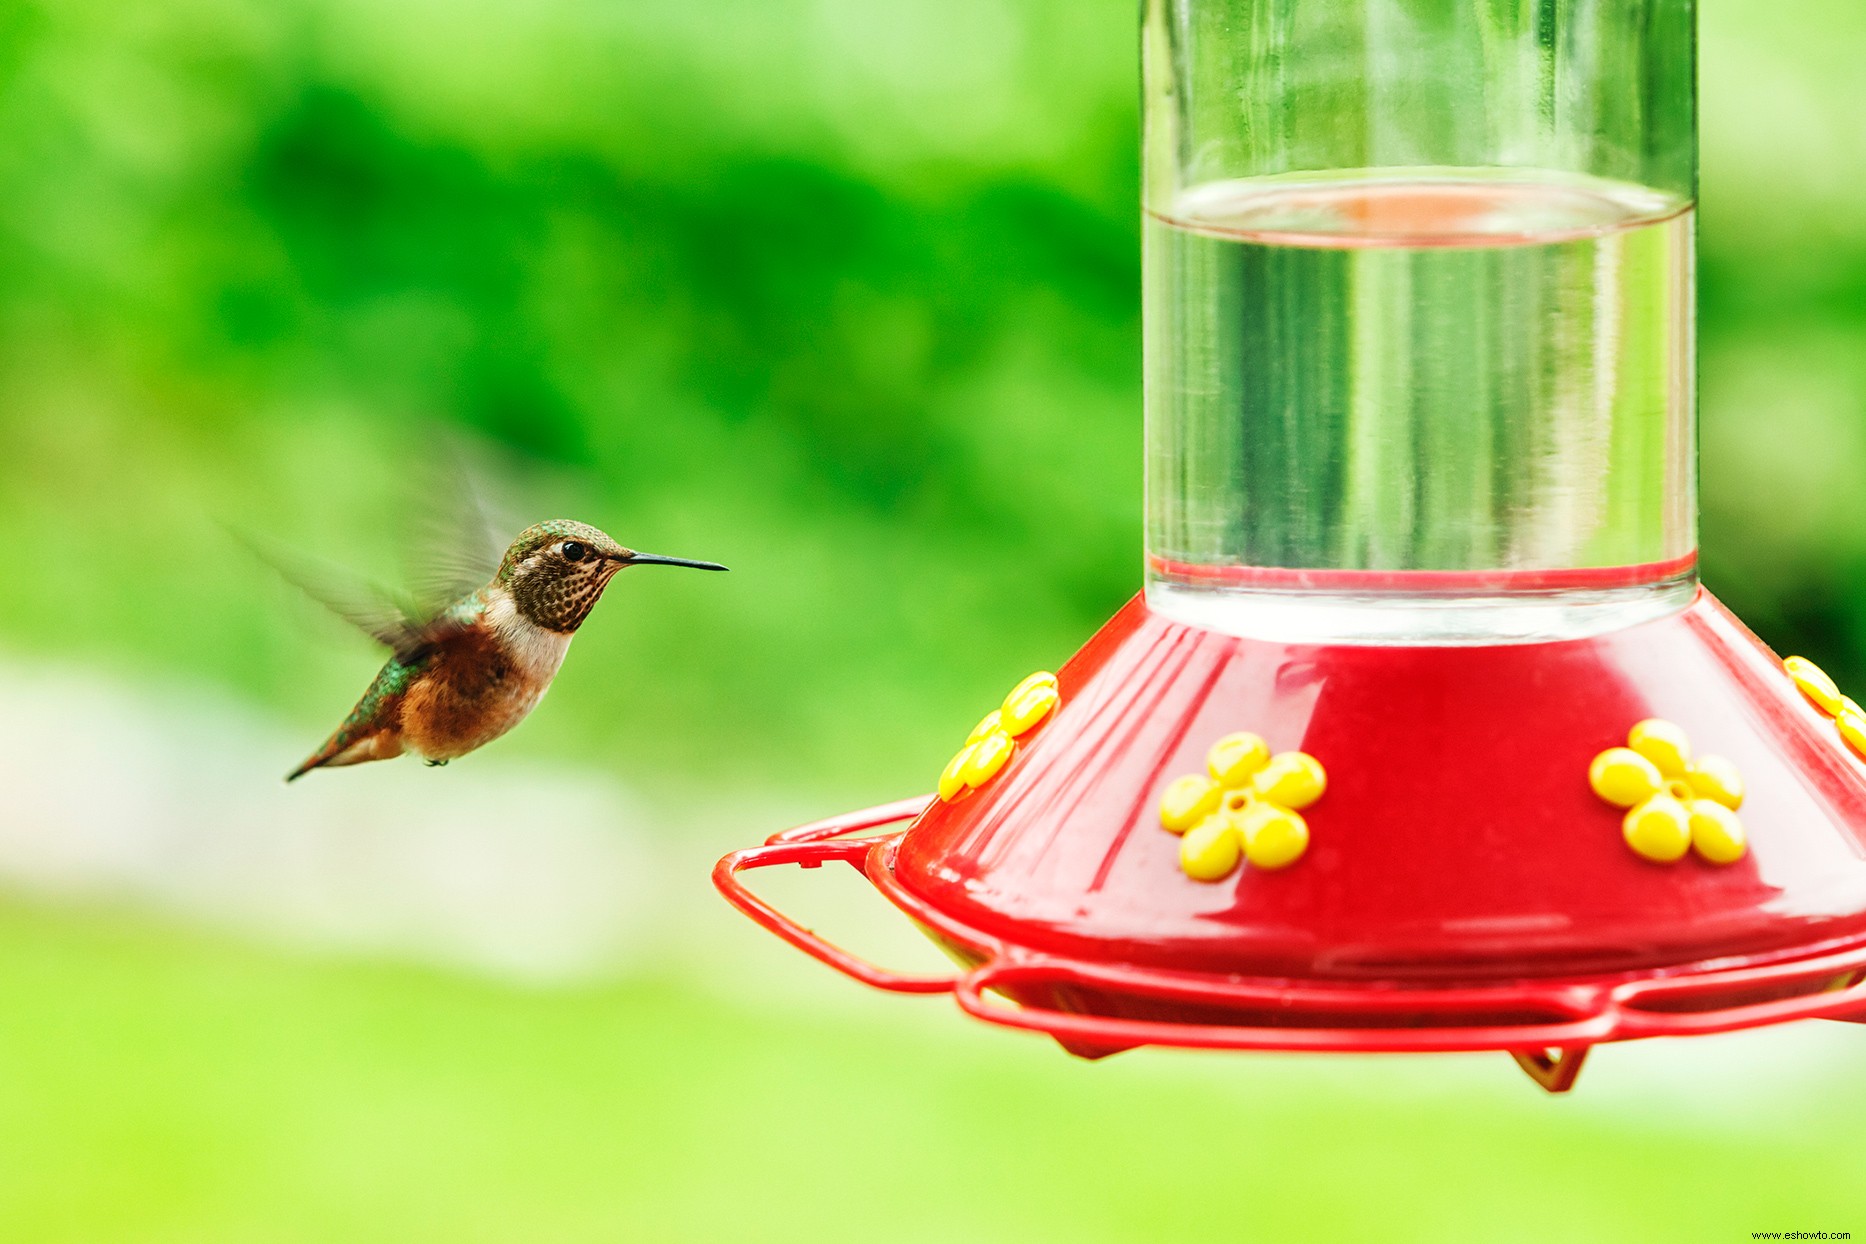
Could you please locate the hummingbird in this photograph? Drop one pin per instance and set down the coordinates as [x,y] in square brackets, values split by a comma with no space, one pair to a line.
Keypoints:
[461,675]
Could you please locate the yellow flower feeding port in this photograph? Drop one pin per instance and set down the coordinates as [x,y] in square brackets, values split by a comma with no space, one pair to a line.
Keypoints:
[1814,683]
[993,740]
[1246,806]
[1674,803]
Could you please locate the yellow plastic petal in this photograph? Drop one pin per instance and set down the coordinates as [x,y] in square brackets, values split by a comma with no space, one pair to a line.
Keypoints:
[952,777]
[1853,730]
[1234,758]
[1623,777]
[1849,705]
[1717,833]
[1188,801]
[1713,777]
[1042,678]
[986,757]
[988,724]
[1210,849]
[1659,829]
[1026,707]
[1274,837]
[1815,684]
[1293,779]
[1664,744]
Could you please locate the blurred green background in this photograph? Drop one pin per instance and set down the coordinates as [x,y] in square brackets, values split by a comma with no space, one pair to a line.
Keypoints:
[843,293]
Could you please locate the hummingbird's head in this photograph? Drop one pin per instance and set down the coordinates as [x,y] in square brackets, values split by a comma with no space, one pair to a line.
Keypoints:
[557,571]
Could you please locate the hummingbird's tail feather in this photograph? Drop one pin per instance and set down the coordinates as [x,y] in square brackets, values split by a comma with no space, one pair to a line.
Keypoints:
[372,731]
[344,748]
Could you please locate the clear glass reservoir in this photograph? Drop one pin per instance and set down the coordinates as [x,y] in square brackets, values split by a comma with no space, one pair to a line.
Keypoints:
[1419,316]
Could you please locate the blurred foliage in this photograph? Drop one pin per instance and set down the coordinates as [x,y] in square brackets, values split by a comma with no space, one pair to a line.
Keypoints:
[843,295]
[1783,323]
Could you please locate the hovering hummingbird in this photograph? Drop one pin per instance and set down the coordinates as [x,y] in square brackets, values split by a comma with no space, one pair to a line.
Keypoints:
[464,674]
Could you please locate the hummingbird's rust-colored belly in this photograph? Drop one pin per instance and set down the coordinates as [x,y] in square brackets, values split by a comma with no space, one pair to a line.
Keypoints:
[473,691]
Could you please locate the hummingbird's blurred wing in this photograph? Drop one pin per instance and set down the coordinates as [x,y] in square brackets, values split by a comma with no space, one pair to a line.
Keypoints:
[370,608]
[456,546]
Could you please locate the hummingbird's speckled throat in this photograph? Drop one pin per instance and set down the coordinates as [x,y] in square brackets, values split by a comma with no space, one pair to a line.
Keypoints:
[465,676]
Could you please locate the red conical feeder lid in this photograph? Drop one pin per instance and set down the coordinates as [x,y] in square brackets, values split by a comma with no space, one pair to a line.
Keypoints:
[1464,886]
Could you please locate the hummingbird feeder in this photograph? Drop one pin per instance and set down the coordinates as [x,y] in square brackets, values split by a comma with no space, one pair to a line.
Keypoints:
[1423,735]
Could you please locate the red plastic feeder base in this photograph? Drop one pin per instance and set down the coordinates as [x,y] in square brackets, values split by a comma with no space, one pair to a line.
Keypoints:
[1464,887]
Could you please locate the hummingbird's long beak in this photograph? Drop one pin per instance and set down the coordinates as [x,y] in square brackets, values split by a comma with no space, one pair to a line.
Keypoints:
[653,559]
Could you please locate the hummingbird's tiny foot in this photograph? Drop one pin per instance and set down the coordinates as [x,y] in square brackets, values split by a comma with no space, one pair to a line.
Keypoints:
[434,764]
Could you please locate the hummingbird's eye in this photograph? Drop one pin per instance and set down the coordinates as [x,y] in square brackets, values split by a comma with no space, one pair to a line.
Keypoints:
[572,551]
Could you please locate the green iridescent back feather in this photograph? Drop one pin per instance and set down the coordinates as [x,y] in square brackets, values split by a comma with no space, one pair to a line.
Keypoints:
[391,682]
